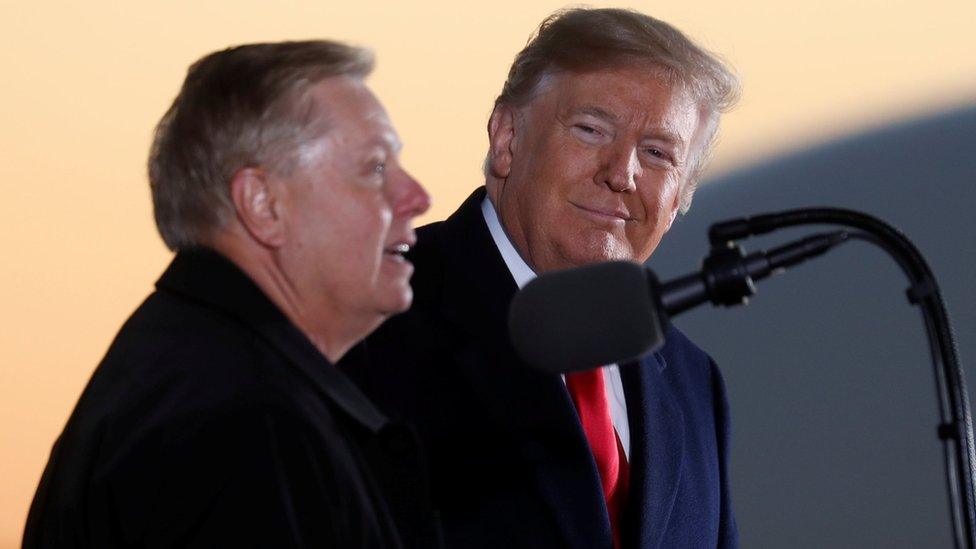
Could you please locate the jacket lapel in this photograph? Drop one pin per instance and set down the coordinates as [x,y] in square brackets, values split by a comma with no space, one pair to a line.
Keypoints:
[533,408]
[657,447]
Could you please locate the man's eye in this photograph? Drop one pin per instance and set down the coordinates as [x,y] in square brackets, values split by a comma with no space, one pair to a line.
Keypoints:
[658,154]
[589,134]
[379,168]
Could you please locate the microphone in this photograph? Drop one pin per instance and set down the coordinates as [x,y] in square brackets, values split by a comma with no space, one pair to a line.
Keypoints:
[618,311]
[578,319]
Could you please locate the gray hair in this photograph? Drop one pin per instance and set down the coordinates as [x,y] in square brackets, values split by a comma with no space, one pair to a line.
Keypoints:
[581,40]
[240,107]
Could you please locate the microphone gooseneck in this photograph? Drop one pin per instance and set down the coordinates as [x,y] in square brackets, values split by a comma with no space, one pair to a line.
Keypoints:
[955,428]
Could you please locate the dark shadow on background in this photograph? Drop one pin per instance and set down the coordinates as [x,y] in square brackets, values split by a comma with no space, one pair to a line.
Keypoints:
[830,381]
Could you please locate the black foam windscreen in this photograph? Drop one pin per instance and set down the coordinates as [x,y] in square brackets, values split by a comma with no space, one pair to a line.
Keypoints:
[578,319]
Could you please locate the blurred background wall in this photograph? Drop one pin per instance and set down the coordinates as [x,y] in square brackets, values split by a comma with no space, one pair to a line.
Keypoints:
[839,98]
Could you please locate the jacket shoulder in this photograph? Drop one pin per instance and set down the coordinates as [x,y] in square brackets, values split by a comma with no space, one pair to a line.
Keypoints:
[169,338]
[175,360]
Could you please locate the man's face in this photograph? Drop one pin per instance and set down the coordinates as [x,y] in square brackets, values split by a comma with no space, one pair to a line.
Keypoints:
[348,207]
[595,168]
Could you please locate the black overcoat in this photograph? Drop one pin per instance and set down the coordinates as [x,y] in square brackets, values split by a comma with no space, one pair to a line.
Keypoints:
[213,422]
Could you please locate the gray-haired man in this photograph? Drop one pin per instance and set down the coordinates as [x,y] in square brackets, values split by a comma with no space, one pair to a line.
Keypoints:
[217,418]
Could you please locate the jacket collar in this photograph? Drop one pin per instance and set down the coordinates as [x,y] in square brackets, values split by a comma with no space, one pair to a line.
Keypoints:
[476,278]
[206,277]
[532,408]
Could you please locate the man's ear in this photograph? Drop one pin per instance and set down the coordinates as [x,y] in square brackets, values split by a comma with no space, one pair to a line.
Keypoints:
[257,206]
[501,137]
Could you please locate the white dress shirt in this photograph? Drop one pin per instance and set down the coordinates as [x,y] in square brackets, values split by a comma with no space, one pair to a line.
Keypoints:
[522,274]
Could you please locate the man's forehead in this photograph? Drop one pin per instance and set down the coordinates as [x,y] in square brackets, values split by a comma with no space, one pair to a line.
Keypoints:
[615,94]
[343,97]
[346,105]
[377,130]
[363,137]
[611,85]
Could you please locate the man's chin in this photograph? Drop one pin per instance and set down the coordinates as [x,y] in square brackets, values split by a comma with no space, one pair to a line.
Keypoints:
[598,248]
[400,300]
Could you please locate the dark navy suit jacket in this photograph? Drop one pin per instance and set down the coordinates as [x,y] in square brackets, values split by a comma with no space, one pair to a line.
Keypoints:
[510,463]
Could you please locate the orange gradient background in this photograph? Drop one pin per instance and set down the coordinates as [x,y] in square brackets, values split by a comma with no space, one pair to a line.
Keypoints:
[84,84]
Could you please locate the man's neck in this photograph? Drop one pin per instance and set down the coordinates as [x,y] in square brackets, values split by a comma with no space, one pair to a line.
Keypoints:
[331,335]
[517,266]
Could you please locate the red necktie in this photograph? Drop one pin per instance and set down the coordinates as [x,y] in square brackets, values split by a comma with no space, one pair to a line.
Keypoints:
[589,394]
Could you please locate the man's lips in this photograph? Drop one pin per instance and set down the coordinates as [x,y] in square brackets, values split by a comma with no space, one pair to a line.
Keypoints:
[398,248]
[613,214]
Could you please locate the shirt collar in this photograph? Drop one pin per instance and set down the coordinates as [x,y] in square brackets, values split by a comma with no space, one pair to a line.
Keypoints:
[520,270]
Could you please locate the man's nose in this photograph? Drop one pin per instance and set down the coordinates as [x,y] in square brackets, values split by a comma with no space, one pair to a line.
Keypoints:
[620,169]
[409,198]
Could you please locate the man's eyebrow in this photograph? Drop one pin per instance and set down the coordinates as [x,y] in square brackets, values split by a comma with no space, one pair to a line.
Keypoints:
[389,140]
[597,112]
[663,133]
[666,134]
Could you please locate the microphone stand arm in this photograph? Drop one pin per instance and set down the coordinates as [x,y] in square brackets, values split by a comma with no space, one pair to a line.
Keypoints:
[728,276]
[726,280]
